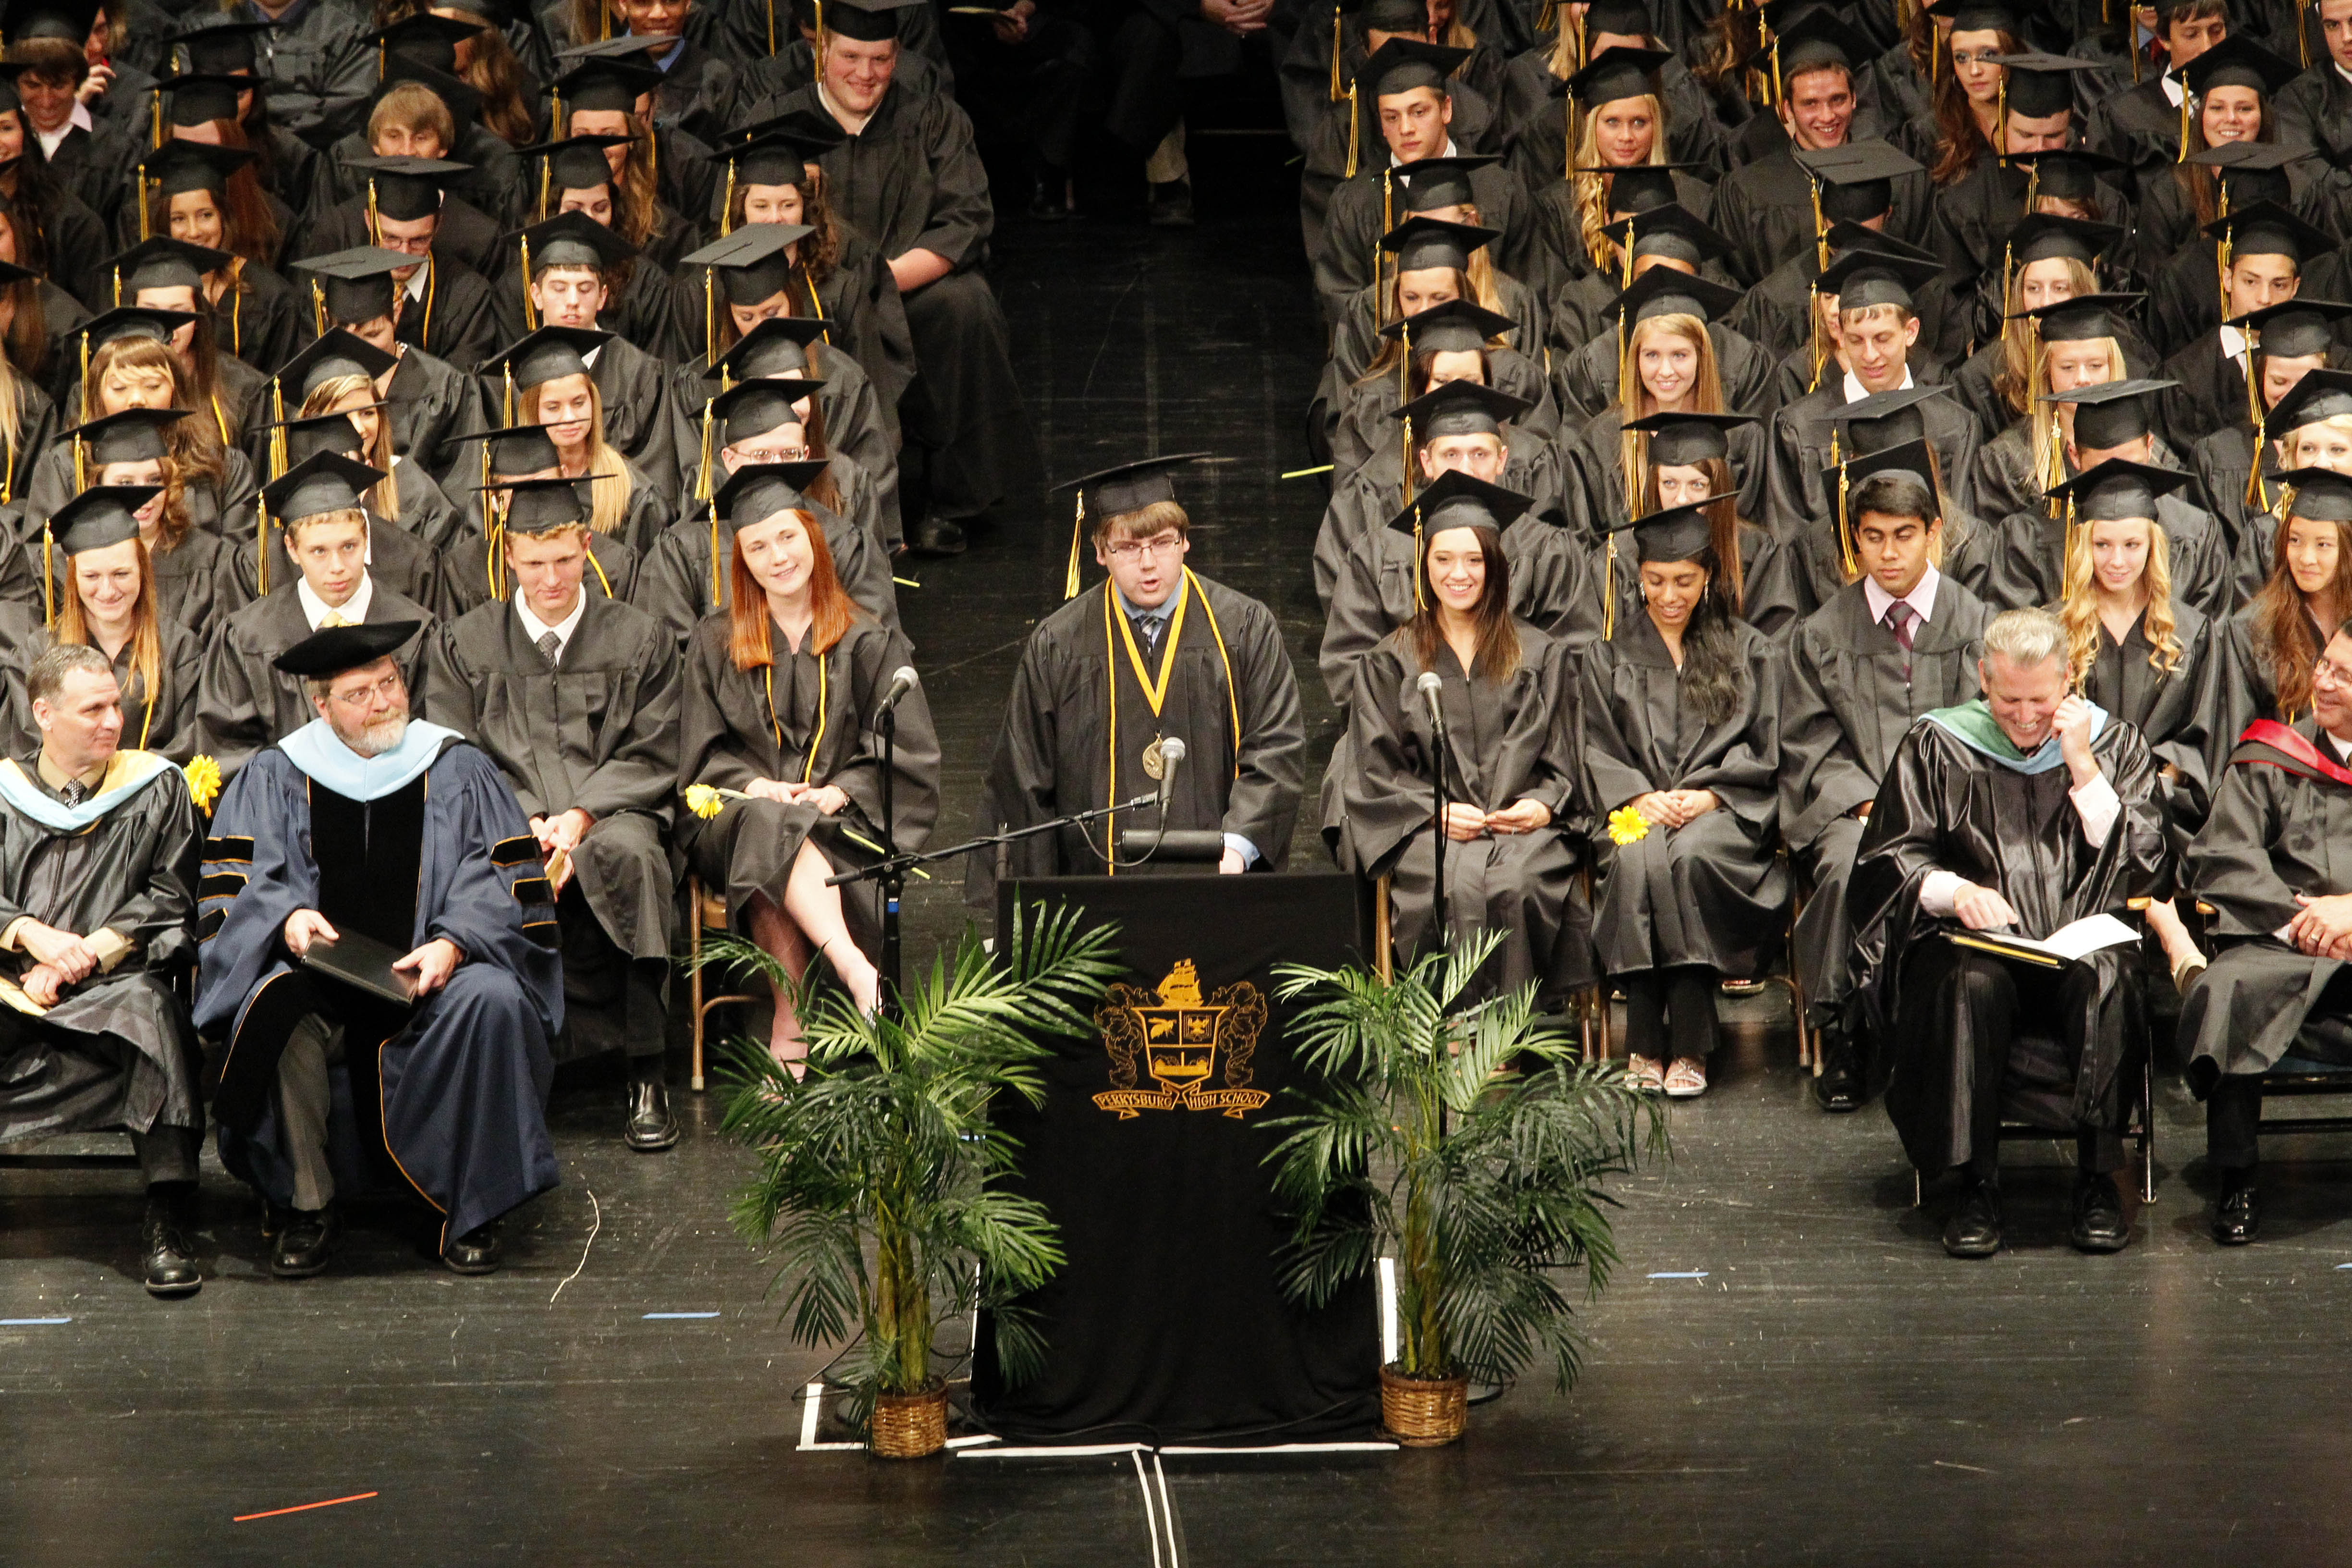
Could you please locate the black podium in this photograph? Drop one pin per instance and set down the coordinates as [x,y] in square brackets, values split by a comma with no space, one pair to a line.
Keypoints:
[1167,1323]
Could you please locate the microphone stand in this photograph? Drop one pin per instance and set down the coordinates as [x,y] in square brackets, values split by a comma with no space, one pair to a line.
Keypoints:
[894,881]
[1443,920]
[897,865]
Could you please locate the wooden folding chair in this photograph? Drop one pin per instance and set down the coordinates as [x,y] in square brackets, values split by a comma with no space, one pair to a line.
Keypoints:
[704,911]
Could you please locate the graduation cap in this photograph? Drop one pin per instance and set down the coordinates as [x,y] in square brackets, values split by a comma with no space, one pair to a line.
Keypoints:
[2110,413]
[24,20]
[1460,408]
[2294,327]
[1814,39]
[753,263]
[810,129]
[755,407]
[607,85]
[1663,292]
[2268,228]
[1431,183]
[2083,319]
[771,159]
[133,435]
[2320,394]
[2115,490]
[1885,419]
[462,100]
[774,349]
[757,492]
[1671,534]
[406,188]
[335,355]
[2042,237]
[320,483]
[1638,187]
[1977,16]
[1457,499]
[327,652]
[224,48]
[2237,62]
[1854,181]
[573,239]
[1420,243]
[1130,487]
[534,505]
[1679,440]
[357,284]
[160,263]
[2070,174]
[1672,231]
[517,449]
[130,322]
[866,21]
[2321,494]
[1457,326]
[1845,234]
[1617,72]
[9,271]
[574,163]
[1863,278]
[1913,457]
[547,353]
[99,517]
[200,99]
[1401,65]
[2036,85]
[180,164]
[425,38]
[316,433]
[1626,18]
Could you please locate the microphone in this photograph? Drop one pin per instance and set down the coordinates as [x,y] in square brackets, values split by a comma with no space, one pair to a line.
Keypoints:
[1205,845]
[1432,689]
[1172,751]
[902,682]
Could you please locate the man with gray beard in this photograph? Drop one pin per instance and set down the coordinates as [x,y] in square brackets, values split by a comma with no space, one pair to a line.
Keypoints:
[364,831]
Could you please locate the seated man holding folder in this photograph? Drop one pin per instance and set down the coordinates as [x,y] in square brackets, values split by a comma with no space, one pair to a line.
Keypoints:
[378,950]
[2015,814]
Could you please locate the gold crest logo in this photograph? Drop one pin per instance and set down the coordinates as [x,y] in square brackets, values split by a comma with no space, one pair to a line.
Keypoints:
[1176,1038]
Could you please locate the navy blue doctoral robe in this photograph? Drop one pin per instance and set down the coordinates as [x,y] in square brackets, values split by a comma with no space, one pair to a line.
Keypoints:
[464,1077]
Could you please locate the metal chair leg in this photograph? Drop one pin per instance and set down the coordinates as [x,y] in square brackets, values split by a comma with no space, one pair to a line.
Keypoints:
[694,970]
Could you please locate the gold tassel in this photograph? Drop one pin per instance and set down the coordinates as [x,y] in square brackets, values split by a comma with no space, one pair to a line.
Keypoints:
[1820,344]
[317,309]
[1380,265]
[709,317]
[2303,30]
[820,39]
[1609,588]
[2182,157]
[772,52]
[702,479]
[1419,565]
[1335,54]
[1409,486]
[2000,122]
[145,226]
[529,311]
[1845,532]
[1354,126]
[1077,527]
[375,218]
[1820,229]
[727,207]
[2054,463]
[1567,136]
[261,543]
[546,177]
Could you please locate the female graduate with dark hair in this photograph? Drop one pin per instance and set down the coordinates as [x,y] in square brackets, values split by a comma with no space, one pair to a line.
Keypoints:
[167,276]
[188,190]
[1458,341]
[2230,86]
[1687,460]
[778,702]
[1679,747]
[2276,638]
[1966,102]
[1506,689]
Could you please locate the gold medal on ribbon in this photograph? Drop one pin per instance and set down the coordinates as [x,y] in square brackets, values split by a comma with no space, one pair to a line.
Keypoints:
[1155,766]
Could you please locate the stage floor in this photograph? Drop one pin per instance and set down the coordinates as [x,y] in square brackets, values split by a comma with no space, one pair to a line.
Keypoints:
[1786,1368]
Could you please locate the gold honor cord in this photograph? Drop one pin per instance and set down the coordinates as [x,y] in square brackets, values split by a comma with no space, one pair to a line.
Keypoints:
[1167,667]
[823,701]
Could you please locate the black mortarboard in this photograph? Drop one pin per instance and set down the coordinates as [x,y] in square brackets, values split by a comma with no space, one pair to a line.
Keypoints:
[462,100]
[1460,408]
[2295,326]
[97,517]
[132,321]
[606,85]
[2082,319]
[1885,419]
[2320,394]
[2237,62]
[1431,183]
[1913,457]
[752,407]
[134,436]
[160,263]
[2321,494]
[534,505]
[576,162]
[867,21]
[1672,231]
[180,164]
[2037,86]
[1845,234]
[1861,278]
[407,188]
[1976,15]
[1618,72]
[23,20]
[1130,487]
[753,262]
[772,159]
[2042,237]
[1663,292]
[2070,174]
[327,653]
[759,493]
[808,127]
[575,239]
[517,449]
[200,99]
[776,347]
[1401,65]
[2268,228]
[425,38]
[541,356]
[322,482]
[223,48]
[493,13]
[1455,500]
[336,354]
[1857,178]
[1626,18]
[1678,440]
[1639,187]
[1671,534]
[2118,488]
[1420,243]
[316,433]
[2111,413]
[2252,171]
[1458,326]
[357,285]
[1817,38]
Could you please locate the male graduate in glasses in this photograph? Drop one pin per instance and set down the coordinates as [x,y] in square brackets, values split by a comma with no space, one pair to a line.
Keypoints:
[363,856]
[1155,652]
[575,696]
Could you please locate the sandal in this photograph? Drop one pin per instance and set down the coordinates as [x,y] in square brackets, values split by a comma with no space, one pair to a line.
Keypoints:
[1686,1079]
[1644,1072]
[2185,973]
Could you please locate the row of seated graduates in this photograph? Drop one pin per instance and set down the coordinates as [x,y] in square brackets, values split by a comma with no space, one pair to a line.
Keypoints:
[207,157]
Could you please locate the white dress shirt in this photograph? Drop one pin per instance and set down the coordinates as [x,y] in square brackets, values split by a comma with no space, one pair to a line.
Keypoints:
[353,610]
[534,628]
[1855,392]
[1921,598]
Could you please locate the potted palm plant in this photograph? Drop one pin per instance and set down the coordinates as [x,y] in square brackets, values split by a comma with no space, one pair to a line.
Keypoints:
[880,1186]
[1465,1141]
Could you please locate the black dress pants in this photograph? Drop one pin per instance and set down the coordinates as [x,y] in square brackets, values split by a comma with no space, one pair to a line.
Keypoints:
[2234,1108]
[1670,1011]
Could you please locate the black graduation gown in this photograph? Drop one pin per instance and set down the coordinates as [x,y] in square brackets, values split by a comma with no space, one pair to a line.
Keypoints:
[396,559]
[1976,382]
[1356,339]
[162,721]
[1568,272]
[453,321]
[1365,500]
[245,703]
[768,75]
[728,737]
[2277,830]
[1597,465]
[1352,228]
[674,578]
[432,403]
[1361,426]
[2020,561]
[1585,382]
[857,423]
[1848,693]
[261,319]
[1506,740]
[596,731]
[1711,893]
[316,70]
[2211,392]
[1772,596]
[1766,210]
[2225,463]
[117,1051]
[1801,450]
[2176,712]
[1475,128]
[465,235]
[465,582]
[222,512]
[446,1099]
[2250,691]
[1945,807]
[474,208]
[1054,754]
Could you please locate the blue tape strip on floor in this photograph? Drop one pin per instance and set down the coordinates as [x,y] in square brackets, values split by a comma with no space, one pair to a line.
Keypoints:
[650,1316]
[1686,1274]
[31,1322]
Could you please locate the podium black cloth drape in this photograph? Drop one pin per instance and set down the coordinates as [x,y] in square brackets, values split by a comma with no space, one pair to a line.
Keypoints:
[1168,1322]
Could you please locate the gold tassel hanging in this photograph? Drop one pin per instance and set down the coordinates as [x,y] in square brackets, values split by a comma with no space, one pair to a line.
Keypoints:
[2054,463]
[145,226]
[1419,565]
[1820,348]
[1845,532]
[1820,229]
[261,543]
[727,207]
[317,309]
[2001,121]
[702,477]
[1379,263]
[1078,528]
[2182,156]
[1335,54]
[546,177]
[1567,136]
[2303,30]
[771,54]
[1609,588]
[1354,126]
[2032,187]
[709,317]
[529,311]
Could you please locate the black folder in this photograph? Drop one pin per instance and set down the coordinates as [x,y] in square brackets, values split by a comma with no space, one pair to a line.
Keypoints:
[359,959]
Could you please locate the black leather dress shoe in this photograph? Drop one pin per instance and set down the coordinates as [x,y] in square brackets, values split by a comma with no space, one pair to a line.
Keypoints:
[2099,1214]
[651,1125]
[168,1256]
[1974,1229]
[936,536]
[305,1236]
[1839,1088]
[479,1251]
[2238,1214]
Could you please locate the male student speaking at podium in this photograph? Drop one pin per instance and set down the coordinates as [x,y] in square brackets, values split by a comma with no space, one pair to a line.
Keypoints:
[1155,653]
[2012,816]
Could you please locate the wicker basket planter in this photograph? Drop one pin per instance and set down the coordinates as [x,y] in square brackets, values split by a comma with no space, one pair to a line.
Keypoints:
[1423,1412]
[909,1426]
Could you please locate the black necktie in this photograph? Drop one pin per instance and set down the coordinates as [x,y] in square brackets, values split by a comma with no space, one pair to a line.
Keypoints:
[1147,629]
[1900,617]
